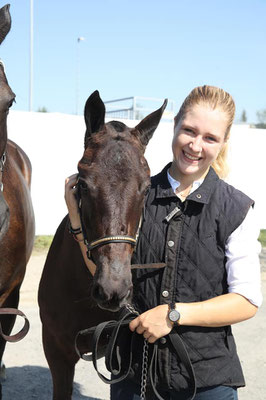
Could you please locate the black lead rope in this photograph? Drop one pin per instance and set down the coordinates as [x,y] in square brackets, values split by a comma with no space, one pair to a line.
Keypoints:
[113,359]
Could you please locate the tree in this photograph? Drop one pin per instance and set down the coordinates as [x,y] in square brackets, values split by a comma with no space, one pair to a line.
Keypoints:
[243,117]
[42,109]
[261,115]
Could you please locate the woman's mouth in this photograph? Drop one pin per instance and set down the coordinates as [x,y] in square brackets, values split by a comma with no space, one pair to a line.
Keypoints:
[191,157]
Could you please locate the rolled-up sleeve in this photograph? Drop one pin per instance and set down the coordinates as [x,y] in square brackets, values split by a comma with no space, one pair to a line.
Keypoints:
[243,264]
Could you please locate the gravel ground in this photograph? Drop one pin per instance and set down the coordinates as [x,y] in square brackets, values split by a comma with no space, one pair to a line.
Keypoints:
[28,376]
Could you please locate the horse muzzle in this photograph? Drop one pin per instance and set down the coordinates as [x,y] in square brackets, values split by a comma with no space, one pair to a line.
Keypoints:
[112,291]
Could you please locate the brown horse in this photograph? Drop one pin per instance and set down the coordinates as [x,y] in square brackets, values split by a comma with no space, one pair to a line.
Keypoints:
[113,179]
[16,213]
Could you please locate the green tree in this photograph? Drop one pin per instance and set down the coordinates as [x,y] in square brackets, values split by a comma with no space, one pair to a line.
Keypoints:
[261,116]
[42,109]
[243,117]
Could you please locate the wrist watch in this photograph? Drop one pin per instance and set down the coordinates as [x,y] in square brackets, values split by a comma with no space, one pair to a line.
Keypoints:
[173,314]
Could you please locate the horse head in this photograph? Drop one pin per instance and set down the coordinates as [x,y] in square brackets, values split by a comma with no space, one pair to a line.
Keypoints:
[6,99]
[113,179]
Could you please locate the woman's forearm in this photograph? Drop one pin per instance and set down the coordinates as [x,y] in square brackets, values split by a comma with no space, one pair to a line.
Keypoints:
[74,218]
[223,310]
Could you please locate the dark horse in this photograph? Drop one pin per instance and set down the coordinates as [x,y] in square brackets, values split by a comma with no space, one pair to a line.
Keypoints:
[16,213]
[113,179]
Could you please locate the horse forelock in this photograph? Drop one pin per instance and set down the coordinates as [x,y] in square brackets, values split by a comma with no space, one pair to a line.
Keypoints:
[112,146]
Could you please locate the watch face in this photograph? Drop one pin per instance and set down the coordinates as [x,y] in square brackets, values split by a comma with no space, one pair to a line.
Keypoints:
[173,315]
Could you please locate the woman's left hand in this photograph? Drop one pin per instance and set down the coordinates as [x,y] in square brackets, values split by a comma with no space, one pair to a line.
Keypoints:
[152,324]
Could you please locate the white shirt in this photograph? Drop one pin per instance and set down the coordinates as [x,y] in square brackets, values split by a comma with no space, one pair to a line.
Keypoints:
[242,252]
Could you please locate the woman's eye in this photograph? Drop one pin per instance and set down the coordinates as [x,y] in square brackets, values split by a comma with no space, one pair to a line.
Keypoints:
[188,130]
[211,139]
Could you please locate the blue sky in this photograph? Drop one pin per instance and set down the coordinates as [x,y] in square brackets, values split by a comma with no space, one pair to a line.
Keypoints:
[147,48]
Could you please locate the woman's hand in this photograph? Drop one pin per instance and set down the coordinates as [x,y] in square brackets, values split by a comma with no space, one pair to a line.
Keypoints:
[71,201]
[152,324]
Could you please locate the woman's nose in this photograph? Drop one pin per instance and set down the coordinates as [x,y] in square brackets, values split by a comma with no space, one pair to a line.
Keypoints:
[196,144]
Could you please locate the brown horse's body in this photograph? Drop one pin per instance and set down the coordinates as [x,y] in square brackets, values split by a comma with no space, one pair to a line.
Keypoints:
[17,243]
[16,212]
[113,178]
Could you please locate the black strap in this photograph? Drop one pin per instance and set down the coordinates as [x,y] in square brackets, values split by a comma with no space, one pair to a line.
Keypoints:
[24,330]
[112,349]
[112,353]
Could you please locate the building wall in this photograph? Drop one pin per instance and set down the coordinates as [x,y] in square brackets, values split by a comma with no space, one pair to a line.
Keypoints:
[54,144]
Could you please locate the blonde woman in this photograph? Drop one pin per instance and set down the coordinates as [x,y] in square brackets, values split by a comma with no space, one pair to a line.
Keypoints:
[204,230]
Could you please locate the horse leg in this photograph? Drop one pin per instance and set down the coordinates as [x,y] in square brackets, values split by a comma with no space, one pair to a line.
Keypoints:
[62,366]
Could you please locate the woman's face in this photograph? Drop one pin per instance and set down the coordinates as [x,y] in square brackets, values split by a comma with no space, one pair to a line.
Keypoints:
[198,139]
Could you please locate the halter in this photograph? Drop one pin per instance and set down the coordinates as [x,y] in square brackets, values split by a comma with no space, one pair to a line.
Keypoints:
[106,239]
[2,164]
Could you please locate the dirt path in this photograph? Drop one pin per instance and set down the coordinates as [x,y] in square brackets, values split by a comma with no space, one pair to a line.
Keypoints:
[28,376]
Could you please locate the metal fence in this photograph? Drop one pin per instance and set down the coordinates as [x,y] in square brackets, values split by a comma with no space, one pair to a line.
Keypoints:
[138,107]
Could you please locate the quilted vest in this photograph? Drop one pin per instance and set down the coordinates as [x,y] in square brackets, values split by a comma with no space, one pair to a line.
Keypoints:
[190,237]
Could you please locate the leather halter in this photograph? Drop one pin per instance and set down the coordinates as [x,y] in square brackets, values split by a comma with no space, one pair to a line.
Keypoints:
[106,239]
[2,164]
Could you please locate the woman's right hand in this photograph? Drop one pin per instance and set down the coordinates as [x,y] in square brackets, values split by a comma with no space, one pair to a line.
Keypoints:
[71,201]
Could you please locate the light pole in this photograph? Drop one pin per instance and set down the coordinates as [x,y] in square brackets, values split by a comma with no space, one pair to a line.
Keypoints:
[31,57]
[80,39]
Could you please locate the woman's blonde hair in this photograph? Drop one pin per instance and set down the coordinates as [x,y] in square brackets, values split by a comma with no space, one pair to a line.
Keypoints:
[214,97]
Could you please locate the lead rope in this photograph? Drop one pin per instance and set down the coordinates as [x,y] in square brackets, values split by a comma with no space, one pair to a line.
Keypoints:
[145,359]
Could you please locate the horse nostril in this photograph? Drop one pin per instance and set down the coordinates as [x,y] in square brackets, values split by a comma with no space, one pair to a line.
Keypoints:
[98,293]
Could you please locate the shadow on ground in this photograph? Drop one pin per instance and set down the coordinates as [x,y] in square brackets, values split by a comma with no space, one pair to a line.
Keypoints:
[33,382]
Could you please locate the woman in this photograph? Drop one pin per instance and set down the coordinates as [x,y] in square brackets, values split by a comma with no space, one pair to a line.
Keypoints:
[204,230]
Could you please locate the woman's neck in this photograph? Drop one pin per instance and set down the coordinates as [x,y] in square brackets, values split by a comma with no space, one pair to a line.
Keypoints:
[185,180]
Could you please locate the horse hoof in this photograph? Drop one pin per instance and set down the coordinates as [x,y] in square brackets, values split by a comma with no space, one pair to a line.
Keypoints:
[2,373]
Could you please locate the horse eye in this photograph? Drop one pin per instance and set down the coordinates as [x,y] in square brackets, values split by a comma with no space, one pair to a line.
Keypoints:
[10,104]
[82,185]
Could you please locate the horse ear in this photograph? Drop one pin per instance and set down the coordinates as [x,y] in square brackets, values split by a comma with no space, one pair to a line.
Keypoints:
[94,114]
[147,126]
[5,22]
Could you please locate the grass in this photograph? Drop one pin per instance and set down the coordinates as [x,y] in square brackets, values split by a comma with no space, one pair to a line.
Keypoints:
[262,237]
[42,243]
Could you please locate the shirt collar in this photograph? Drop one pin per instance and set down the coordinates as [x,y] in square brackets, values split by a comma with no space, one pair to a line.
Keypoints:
[175,184]
[200,194]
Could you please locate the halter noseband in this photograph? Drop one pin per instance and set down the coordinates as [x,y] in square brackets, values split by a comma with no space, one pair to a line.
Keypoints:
[108,239]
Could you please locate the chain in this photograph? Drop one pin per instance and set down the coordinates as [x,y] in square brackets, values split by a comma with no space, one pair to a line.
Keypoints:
[131,308]
[144,371]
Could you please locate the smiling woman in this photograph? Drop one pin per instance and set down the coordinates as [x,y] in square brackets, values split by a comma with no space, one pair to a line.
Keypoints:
[204,230]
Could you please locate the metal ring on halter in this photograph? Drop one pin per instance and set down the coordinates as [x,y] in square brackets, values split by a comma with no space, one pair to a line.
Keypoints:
[2,162]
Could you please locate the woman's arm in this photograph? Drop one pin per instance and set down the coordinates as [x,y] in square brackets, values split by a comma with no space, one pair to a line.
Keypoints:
[222,310]
[241,303]
[71,202]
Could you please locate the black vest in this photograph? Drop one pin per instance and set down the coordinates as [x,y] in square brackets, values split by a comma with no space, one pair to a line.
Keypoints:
[190,238]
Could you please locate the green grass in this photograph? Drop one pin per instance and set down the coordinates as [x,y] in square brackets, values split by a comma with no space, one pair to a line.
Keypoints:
[262,237]
[42,243]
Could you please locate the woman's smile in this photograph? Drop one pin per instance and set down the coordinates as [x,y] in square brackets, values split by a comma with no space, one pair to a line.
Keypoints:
[190,157]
